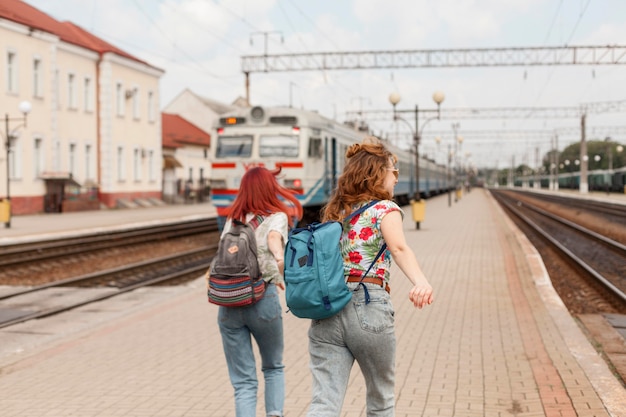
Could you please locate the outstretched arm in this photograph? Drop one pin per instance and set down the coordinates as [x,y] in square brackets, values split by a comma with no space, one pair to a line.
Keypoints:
[391,226]
[276,247]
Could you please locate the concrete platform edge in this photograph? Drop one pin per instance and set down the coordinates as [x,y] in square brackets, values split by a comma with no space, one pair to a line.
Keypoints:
[604,382]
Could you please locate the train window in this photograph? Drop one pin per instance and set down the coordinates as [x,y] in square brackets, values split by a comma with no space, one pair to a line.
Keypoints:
[278,145]
[284,120]
[315,147]
[228,146]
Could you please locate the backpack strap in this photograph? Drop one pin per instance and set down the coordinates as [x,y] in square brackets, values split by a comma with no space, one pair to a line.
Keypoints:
[380,252]
[383,248]
[361,210]
[254,222]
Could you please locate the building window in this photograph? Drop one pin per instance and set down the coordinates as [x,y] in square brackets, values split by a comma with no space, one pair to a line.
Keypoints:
[72,160]
[119,99]
[88,164]
[11,72]
[56,156]
[151,106]
[37,76]
[136,103]
[38,157]
[151,170]
[137,164]
[88,95]
[71,91]
[57,91]
[121,172]
[15,158]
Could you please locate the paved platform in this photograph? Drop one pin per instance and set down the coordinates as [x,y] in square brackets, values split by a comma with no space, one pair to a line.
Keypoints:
[496,342]
[42,226]
[614,198]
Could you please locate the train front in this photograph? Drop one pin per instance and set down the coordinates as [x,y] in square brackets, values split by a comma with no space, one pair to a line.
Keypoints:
[249,138]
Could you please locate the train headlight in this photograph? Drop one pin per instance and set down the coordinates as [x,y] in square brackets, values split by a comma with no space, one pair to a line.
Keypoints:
[295,184]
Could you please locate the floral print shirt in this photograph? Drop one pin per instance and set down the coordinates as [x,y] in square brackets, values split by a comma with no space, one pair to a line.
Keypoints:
[362,239]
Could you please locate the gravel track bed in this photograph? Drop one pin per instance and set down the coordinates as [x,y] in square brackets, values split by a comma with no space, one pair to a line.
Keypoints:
[577,295]
[59,269]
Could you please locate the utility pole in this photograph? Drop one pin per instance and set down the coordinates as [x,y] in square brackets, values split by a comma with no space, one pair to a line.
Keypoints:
[265,35]
[584,185]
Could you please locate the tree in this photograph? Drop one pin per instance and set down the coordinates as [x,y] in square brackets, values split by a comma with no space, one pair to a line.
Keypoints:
[600,153]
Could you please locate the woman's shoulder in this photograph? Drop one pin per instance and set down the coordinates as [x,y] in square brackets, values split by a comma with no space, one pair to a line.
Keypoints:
[277,219]
[278,215]
[387,206]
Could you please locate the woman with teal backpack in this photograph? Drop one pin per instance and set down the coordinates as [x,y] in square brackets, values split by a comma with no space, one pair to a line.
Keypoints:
[364,330]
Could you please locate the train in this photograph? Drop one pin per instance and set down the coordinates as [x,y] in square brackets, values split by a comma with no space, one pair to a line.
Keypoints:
[613,180]
[310,150]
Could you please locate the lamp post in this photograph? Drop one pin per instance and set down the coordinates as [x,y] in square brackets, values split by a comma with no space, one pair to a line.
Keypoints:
[25,108]
[394,99]
[459,167]
[448,161]
[458,141]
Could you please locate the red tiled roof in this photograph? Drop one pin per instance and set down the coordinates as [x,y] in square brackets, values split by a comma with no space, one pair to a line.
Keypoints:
[177,131]
[25,14]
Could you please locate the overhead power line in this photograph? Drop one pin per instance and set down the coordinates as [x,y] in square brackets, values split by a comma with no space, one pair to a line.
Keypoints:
[565,112]
[532,134]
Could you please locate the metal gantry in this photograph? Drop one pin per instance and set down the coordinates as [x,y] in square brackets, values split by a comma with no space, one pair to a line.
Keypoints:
[436,58]
[433,58]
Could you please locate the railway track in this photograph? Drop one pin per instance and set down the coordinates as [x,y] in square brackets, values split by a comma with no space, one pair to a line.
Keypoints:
[586,268]
[31,252]
[56,297]
[601,259]
[59,295]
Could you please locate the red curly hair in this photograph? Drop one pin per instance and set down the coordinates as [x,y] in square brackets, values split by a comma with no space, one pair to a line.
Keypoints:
[260,193]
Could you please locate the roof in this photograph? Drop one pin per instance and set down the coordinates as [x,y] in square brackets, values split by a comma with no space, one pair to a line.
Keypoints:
[215,105]
[25,14]
[177,132]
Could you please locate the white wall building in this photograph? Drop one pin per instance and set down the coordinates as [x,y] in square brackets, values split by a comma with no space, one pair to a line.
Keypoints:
[95,122]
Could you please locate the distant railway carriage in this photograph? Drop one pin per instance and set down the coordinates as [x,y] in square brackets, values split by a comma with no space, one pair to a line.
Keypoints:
[310,150]
[618,180]
[597,180]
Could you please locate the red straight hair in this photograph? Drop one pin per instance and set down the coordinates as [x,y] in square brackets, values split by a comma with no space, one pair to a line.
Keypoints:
[260,193]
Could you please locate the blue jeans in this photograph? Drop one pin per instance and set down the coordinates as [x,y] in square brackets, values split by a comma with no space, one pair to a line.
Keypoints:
[360,331]
[264,322]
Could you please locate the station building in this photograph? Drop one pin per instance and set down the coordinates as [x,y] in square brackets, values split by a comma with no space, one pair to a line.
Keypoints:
[92,135]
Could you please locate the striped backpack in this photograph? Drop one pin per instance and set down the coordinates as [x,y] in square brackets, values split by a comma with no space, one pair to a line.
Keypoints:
[234,278]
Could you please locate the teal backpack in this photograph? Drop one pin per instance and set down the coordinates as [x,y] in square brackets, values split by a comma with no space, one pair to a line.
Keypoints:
[315,286]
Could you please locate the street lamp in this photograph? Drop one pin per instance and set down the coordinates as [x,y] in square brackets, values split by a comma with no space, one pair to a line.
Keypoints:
[449,160]
[5,207]
[459,167]
[394,98]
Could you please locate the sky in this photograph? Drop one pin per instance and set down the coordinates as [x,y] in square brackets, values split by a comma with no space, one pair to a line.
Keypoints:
[199,45]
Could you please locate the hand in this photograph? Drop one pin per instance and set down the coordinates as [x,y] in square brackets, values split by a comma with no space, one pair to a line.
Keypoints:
[421,295]
[281,285]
